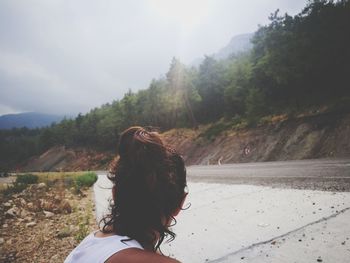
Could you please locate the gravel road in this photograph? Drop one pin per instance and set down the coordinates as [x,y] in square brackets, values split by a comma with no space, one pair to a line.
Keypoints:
[320,174]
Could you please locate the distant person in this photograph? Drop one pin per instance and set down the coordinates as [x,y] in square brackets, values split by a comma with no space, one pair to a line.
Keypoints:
[149,181]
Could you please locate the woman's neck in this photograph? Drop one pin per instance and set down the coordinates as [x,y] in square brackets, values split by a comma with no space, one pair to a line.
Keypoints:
[149,246]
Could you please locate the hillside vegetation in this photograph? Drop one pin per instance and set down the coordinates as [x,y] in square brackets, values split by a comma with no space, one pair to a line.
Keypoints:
[297,64]
[316,135]
[28,119]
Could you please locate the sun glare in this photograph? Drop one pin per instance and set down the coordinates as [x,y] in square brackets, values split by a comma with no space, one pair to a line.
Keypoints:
[186,13]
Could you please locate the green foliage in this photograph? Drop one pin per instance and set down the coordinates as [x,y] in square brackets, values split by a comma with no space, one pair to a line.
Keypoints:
[27,179]
[22,181]
[17,145]
[214,130]
[239,77]
[85,180]
[83,224]
[65,232]
[256,106]
[14,189]
[303,60]
[210,83]
[341,105]
[83,228]
[223,125]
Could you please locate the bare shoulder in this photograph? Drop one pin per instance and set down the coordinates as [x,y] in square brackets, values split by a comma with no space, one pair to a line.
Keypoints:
[135,255]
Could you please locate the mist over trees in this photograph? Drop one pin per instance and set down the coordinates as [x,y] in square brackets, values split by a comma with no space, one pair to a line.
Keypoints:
[296,62]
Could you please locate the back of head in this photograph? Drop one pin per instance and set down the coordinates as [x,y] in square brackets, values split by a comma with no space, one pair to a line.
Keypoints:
[150,181]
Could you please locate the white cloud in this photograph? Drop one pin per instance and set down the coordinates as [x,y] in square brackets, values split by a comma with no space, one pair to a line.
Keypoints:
[65,56]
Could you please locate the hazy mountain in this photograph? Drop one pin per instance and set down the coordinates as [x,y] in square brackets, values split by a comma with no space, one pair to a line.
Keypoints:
[237,44]
[28,119]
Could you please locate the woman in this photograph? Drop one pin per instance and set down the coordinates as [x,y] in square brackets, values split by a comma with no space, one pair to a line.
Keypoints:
[149,181]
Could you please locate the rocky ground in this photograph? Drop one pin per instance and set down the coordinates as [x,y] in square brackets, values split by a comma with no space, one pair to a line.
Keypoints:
[43,223]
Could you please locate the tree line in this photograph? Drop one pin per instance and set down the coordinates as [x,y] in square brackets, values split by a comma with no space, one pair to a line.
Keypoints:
[296,62]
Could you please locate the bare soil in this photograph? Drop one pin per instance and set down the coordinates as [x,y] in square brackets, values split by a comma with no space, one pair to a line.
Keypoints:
[306,137]
[60,158]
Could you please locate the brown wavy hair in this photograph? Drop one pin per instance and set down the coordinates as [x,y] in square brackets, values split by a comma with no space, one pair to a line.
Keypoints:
[150,180]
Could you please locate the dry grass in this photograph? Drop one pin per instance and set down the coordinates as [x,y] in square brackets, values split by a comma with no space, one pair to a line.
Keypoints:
[43,177]
[51,176]
[3,186]
[5,181]
[273,119]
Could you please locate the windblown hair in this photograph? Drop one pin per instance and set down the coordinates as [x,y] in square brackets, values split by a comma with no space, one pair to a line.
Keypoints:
[150,182]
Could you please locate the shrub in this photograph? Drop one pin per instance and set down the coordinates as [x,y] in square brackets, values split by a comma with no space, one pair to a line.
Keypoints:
[215,130]
[83,228]
[27,179]
[14,189]
[21,183]
[87,179]
[68,181]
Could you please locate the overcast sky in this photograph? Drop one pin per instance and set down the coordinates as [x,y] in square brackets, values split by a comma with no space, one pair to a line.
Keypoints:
[68,56]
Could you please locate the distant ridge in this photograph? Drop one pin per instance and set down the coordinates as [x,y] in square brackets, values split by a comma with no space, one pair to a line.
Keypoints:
[237,44]
[28,119]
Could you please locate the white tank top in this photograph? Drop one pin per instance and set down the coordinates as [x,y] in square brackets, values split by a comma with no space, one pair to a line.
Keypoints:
[98,249]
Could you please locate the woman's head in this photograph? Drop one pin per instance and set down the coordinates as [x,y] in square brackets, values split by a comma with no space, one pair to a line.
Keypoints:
[149,187]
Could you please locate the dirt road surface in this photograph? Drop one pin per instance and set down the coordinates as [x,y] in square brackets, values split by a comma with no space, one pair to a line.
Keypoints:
[320,174]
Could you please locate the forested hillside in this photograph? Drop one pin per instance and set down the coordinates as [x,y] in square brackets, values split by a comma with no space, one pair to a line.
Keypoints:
[28,119]
[297,64]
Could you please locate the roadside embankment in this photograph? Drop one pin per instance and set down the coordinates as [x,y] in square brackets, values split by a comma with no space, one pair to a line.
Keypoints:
[276,138]
[61,158]
[305,137]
